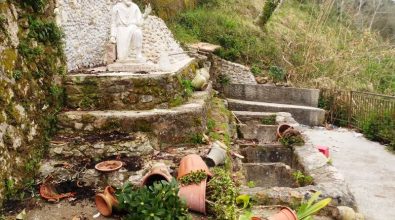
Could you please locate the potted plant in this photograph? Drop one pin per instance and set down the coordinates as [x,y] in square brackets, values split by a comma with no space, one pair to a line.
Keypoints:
[312,206]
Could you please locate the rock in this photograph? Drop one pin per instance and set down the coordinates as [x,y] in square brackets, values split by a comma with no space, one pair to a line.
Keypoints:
[261,79]
[346,213]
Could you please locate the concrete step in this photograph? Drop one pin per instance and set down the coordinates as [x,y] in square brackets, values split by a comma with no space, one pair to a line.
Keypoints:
[273,94]
[106,133]
[281,117]
[103,90]
[302,114]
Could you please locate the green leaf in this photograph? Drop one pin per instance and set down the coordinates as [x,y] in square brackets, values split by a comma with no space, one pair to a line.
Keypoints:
[245,199]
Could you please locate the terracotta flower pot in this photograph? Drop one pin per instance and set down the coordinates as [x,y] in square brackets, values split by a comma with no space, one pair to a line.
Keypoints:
[285,214]
[106,201]
[192,163]
[109,165]
[194,196]
[158,172]
[281,129]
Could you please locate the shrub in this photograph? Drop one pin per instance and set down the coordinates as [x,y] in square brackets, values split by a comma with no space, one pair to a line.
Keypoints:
[268,10]
[159,201]
[277,73]
[380,127]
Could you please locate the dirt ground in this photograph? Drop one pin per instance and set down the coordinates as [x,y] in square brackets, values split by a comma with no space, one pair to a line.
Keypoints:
[368,168]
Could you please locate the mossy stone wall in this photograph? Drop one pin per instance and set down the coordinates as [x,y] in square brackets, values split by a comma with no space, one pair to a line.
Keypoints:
[31,63]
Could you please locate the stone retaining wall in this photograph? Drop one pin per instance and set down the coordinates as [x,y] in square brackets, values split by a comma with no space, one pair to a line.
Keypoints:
[234,72]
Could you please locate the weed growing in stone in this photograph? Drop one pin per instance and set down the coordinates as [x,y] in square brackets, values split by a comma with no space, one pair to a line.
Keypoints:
[302,179]
[269,120]
[251,184]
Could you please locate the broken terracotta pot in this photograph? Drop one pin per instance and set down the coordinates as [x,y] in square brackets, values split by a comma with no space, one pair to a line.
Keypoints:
[48,192]
[192,163]
[106,201]
[158,172]
[281,129]
[285,214]
[194,196]
[109,166]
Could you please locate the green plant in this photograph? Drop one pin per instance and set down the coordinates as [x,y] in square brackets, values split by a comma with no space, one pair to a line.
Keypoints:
[268,10]
[10,189]
[188,88]
[277,73]
[251,184]
[312,206]
[224,80]
[292,137]
[17,74]
[302,179]
[197,138]
[36,5]
[156,202]
[3,21]
[194,177]
[210,125]
[222,193]
[380,127]
[269,120]
[256,70]
[45,32]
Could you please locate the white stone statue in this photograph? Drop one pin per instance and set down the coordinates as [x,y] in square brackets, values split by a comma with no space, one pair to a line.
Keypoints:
[126,32]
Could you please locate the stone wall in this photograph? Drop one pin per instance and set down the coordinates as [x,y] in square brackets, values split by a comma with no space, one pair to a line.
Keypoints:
[30,59]
[232,72]
[86,25]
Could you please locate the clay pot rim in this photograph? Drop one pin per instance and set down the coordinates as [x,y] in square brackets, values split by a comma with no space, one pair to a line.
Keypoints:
[103,163]
[280,134]
[290,210]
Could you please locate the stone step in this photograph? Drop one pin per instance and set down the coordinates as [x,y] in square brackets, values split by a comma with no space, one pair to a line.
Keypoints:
[106,133]
[273,94]
[103,90]
[302,114]
[281,117]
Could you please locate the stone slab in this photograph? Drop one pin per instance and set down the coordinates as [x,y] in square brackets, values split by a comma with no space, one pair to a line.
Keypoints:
[174,126]
[303,114]
[273,94]
[125,90]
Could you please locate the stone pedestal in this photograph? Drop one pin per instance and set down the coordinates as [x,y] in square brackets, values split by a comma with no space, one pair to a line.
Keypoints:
[111,53]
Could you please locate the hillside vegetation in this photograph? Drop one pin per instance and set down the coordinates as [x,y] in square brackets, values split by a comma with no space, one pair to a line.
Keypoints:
[305,43]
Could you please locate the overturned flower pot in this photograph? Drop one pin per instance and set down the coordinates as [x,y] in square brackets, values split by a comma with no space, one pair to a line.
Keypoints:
[192,163]
[281,129]
[194,196]
[284,214]
[217,155]
[157,173]
[106,201]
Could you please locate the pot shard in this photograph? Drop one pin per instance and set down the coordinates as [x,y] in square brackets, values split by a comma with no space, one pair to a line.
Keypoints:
[192,163]
[157,173]
[195,196]
[285,214]
[106,201]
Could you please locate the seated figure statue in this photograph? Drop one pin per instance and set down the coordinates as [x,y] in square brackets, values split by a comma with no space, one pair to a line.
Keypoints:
[126,32]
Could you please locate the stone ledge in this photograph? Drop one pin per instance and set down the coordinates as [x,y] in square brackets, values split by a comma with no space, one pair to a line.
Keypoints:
[303,114]
[273,94]
[127,91]
[174,126]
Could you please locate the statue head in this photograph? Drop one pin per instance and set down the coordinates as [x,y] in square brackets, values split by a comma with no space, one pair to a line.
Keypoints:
[128,2]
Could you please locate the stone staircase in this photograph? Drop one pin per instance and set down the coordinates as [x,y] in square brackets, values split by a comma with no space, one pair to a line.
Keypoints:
[301,103]
[137,118]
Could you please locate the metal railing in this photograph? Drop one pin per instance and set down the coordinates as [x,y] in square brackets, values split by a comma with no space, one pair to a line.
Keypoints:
[352,108]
